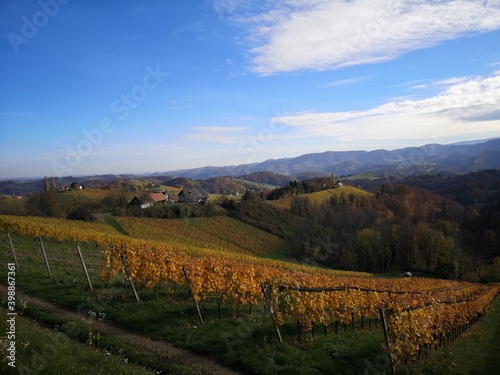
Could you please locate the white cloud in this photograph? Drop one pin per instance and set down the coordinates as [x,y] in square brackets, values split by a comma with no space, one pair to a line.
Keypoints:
[468,107]
[293,35]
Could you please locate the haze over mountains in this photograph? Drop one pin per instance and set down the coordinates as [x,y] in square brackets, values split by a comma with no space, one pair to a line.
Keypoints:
[431,158]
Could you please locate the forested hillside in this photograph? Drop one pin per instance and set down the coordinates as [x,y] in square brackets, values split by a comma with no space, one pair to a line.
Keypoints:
[398,227]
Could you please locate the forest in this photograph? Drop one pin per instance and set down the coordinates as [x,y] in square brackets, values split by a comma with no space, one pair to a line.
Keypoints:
[398,227]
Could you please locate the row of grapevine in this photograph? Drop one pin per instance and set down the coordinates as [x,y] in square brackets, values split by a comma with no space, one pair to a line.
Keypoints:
[239,234]
[411,330]
[417,319]
[217,233]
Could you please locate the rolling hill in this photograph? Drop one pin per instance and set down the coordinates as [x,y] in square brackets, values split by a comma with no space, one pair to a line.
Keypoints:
[320,196]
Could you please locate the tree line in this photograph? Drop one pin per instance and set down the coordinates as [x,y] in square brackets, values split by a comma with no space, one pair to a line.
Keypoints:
[296,187]
[398,228]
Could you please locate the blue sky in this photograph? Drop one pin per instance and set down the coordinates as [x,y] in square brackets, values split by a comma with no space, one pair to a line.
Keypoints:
[91,87]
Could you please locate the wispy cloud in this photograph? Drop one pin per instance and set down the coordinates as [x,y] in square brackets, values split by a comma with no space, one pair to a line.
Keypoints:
[218,134]
[181,107]
[47,157]
[349,81]
[292,35]
[467,107]
[200,29]
[441,83]
[175,106]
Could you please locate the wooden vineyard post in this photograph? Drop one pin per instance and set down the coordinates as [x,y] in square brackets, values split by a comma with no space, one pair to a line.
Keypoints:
[387,341]
[129,277]
[45,257]
[270,308]
[190,286]
[84,267]
[13,251]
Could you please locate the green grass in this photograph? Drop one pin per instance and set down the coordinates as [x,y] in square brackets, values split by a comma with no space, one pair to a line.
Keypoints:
[40,350]
[364,176]
[80,331]
[320,196]
[282,254]
[111,221]
[65,264]
[248,343]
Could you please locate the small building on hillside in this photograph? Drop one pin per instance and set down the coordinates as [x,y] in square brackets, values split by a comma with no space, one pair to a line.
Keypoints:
[77,186]
[192,195]
[159,197]
[149,200]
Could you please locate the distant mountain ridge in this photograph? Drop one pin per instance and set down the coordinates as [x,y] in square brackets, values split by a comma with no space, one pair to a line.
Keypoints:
[431,158]
[449,159]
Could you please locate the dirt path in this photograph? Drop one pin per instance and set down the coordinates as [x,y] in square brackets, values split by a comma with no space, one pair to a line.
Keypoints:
[162,348]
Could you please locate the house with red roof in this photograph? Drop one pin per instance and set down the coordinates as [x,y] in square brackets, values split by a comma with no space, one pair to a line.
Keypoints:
[149,200]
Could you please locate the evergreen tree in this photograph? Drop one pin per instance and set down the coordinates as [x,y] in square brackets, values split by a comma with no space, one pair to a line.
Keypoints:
[45,184]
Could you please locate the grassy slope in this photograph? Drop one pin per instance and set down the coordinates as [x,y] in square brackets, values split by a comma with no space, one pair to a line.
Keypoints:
[320,196]
[364,176]
[44,351]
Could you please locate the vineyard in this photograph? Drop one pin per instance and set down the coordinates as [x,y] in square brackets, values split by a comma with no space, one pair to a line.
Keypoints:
[218,233]
[420,313]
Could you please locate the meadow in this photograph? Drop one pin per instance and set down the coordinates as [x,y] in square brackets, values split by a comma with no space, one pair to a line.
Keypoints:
[321,197]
